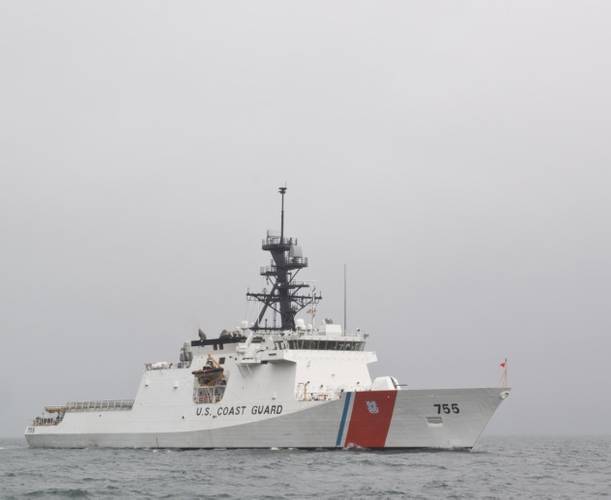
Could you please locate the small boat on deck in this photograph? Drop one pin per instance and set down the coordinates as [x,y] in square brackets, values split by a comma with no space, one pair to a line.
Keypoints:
[211,372]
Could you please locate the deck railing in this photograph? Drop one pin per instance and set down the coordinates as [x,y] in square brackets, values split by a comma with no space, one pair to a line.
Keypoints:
[99,405]
[38,421]
[82,406]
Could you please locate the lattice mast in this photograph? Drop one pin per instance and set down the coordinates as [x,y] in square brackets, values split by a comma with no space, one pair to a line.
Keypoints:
[287,296]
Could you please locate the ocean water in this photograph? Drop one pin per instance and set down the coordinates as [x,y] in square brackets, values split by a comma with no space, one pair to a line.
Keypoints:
[499,467]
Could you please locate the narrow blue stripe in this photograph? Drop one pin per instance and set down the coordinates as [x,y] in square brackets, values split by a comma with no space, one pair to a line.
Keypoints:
[342,422]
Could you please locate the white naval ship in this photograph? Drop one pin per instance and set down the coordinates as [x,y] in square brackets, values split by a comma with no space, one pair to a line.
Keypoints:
[276,383]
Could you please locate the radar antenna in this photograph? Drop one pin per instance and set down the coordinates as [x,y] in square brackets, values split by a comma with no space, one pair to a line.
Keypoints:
[287,296]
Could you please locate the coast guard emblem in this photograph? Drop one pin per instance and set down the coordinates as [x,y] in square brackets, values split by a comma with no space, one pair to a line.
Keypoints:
[372,407]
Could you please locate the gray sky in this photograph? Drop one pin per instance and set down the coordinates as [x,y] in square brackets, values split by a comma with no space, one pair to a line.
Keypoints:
[454,154]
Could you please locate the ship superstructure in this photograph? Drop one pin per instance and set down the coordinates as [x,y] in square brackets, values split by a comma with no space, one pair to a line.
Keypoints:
[275,382]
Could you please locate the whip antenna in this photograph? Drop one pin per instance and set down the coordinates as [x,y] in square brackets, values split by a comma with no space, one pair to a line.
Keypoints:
[345,301]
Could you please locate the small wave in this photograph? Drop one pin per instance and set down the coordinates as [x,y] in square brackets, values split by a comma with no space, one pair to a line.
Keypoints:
[437,484]
[388,493]
[541,476]
[60,492]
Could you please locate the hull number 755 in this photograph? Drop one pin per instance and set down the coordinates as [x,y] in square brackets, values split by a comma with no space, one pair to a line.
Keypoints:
[447,408]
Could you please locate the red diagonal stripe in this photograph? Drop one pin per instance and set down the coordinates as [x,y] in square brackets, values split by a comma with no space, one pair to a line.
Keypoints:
[370,420]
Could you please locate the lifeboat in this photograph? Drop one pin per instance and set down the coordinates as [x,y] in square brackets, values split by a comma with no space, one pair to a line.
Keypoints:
[211,372]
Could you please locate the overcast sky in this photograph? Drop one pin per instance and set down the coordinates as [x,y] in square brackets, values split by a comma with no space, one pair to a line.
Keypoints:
[455,155]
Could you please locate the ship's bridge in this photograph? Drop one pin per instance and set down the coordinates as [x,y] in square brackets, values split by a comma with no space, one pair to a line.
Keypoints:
[318,343]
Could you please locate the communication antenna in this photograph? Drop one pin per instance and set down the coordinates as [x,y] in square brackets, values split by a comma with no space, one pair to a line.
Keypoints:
[345,300]
[282,191]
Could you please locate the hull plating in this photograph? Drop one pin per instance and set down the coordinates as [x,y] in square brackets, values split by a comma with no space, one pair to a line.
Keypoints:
[439,419]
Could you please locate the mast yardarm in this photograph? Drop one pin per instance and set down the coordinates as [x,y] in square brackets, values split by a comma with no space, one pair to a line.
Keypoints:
[287,296]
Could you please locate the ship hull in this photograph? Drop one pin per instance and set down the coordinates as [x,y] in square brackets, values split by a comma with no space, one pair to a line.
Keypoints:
[403,419]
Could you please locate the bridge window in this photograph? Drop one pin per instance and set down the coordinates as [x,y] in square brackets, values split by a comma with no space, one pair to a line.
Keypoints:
[326,345]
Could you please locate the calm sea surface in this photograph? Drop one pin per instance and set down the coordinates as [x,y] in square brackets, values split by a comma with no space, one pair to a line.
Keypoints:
[507,467]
